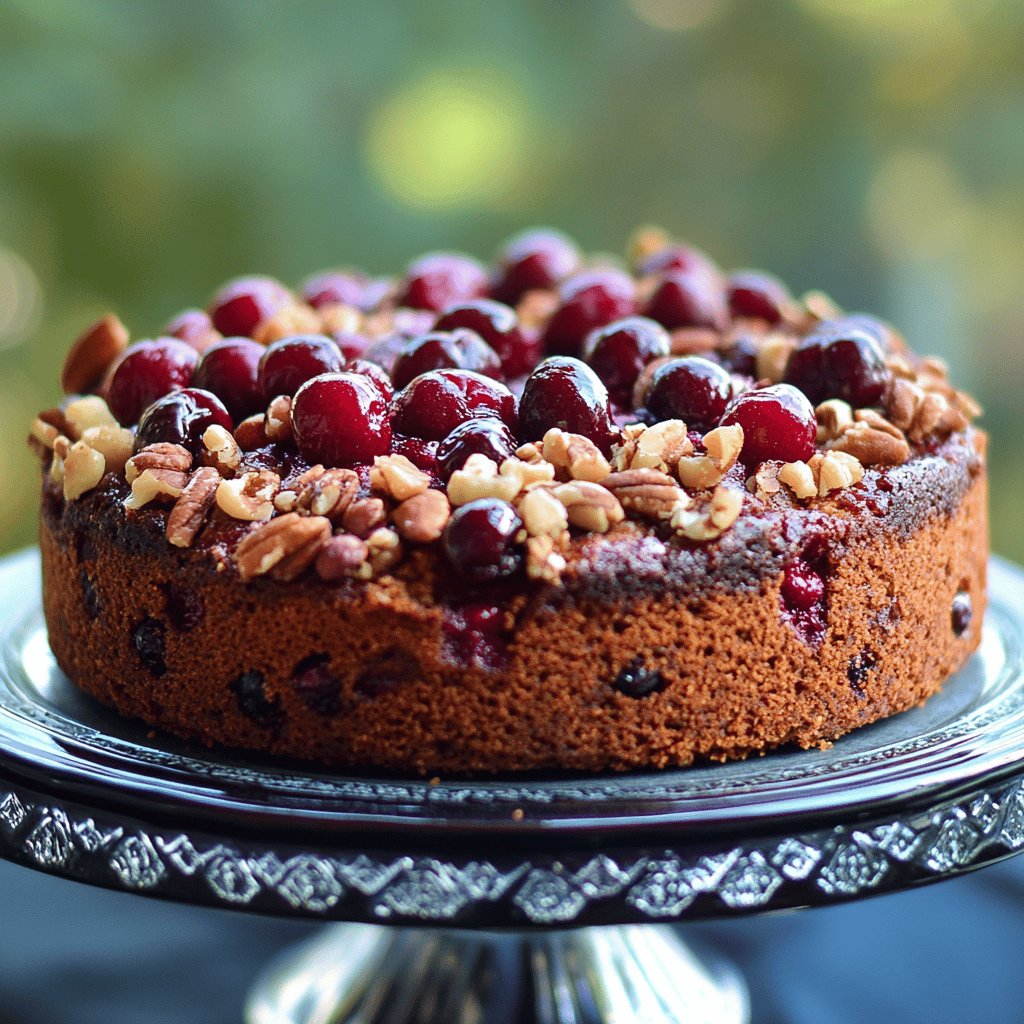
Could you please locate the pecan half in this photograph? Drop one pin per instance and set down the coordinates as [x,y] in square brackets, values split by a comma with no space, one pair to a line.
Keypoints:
[92,355]
[186,519]
[167,458]
[284,548]
[328,492]
[589,506]
[647,492]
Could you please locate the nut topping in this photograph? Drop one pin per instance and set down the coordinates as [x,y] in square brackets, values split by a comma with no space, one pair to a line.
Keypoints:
[543,561]
[589,506]
[327,493]
[711,518]
[722,446]
[343,557]
[186,519]
[577,455]
[422,518]
[542,513]
[799,478]
[162,457]
[647,492]
[835,470]
[83,413]
[249,497]
[221,450]
[364,516]
[285,547]
[278,422]
[92,355]
[162,485]
[114,443]
[872,447]
[659,447]
[286,323]
[251,433]
[397,477]
[83,470]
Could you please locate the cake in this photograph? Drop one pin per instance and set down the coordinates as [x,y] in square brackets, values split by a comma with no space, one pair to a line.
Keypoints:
[551,514]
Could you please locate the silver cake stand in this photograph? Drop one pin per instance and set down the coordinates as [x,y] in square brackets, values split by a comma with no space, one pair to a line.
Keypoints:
[529,899]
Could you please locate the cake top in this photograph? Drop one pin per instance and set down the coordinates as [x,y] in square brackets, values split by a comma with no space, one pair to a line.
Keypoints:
[496,413]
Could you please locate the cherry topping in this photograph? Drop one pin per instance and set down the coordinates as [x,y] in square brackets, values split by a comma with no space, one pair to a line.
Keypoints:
[181,417]
[438,280]
[566,393]
[195,327]
[432,405]
[692,389]
[375,373]
[488,437]
[517,348]
[479,540]
[422,454]
[333,287]
[840,359]
[589,299]
[440,350]
[230,369]
[676,257]
[778,423]
[244,303]
[619,351]
[147,371]
[740,356]
[753,293]
[287,364]
[341,419]
[538,258]
[689,298]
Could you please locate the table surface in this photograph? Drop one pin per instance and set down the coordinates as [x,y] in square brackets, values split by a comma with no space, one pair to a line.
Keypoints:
[946,953]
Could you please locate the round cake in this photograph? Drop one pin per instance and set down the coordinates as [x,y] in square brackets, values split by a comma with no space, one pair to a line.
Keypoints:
[560,512]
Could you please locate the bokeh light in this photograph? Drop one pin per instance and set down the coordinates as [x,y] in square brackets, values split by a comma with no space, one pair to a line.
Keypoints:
[676,15]
[20,299]
[453,138]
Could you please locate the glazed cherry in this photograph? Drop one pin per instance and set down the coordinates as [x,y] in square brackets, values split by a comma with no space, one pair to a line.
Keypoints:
[432,405]
[755,294]
[840,359]
[421,453]
[692,389]
[287,364]
[516,347]
[802,587]
[587,300]
[376,374]
[778,423]
[147,371]
[334,287]
[182,417]
[341,419]
[195,327]
[688,298]
[538,258]
[244,303]
[488,437]
[442,350]
[740,356]
[676,257]
[479,540]
[566,393]
[230,369]
[619,351]
[440,279]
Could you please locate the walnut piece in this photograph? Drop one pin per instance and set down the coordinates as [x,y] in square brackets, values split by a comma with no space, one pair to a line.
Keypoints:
[162,485]
[834,416]
[363,516]
[83,413]
[278,422]
[397,477]
[384,550]
[659,447]
[542,513]
[163,457]
[577,455]
[326,492]
[799,478]
[83,470]
[772,357]
[284,547]
[589,506]
[543,560]
[220,450]
[186,519]
[286,323]
[722,450]
[249,497]
[711,518]
[422,518]
[113,442]
[835,470]
[479,478]
[92,355]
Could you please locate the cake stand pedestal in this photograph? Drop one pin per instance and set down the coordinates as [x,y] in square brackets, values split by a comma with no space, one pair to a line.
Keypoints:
[543,898]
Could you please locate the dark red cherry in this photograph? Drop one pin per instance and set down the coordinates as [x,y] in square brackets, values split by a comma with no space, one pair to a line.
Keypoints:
[421,453]
[375,373]
[517,348]
[488,437]
[432,405]
[566,393]
[840,359]
[352,346]
[740,356]
[230,369]
[345,287]
[442,350]
[341,419]
[147,371]
[538,258]
[620,350]
[287,364]
[440,279]
[195,327]
[676,257]
[244,303]
[692,389]
[479,540]
[181,417]
[802,587]
[778,423]
[587,300]
[689,298]
[755,294]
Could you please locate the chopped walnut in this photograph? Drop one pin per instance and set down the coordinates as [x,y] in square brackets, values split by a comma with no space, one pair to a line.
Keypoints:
[576,455]
[834,471]
[773,356]
[543,561]
[286,323]
[397,477]
[42,435]
[765,481]
[479,478]
[384,550]
[83,470]
[423,517]
[113,442]
[711,518]
[186,519]
[278,422]
[284,547]
[647,492]
[589,506]
[220,450]
[799,478]
[83,413]
[722,450]
[834,416]
[325,492]
[160,485]
[659,447]
[249,497]
[542,513]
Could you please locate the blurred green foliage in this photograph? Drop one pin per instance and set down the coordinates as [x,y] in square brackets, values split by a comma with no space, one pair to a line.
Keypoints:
[871,148]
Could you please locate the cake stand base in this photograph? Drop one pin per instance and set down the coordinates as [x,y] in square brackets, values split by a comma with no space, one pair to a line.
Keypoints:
[630,974]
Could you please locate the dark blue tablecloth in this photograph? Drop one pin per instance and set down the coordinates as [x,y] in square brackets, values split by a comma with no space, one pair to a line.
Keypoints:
[947,953]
